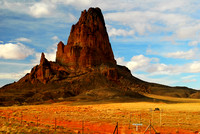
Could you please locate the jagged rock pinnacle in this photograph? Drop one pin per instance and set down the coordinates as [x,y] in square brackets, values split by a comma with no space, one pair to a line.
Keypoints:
[43,60]
[88,44]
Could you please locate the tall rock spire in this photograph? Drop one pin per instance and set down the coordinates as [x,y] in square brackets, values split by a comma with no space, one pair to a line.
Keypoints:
[43,60]
[88,44]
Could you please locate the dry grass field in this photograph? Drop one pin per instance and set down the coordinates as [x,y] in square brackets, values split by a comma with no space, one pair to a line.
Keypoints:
[175,115]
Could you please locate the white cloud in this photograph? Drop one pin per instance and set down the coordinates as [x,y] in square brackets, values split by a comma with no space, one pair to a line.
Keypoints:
[147,21]
[15,6]
[138,62]
[49,9]
[166,80]
[172,18]
[154,67]
[15,51]
[72,18]
[37,9]
[15,64]
[189,31]
[163,80]
[193,67]
[169,5]
[189,79]
[50,54]
[41,9]
[119,32]
[76,3]
[55,38]
[23,39]
[149,51]
[132,19]
[193,43]
[158,68]
[36,60]
[15,76]
[191,54]
[127,5]
[148,69]
[186,6]
[120,61]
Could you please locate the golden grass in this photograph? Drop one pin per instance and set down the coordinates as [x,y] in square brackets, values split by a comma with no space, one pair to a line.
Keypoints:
[180,113]
[173,99]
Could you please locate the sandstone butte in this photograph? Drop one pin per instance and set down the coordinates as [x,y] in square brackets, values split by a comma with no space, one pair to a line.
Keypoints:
[88,44]
[84,66]
[87,49]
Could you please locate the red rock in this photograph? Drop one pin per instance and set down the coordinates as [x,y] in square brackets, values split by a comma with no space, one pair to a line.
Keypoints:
[88,44]
[41,72]
[45,71]
[88,47]
[111,73]
[60,52]
[43,60]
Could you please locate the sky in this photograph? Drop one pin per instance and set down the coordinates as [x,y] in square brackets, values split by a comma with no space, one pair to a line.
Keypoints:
[158,40]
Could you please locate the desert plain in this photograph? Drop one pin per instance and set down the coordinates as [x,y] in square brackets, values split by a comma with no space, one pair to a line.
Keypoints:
[167,115]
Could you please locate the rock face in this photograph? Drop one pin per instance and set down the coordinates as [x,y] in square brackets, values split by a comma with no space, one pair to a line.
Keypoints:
[41,72]
[88,48]
[88,44]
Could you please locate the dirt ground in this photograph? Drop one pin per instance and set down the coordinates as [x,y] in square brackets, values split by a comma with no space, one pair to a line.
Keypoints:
[102,118]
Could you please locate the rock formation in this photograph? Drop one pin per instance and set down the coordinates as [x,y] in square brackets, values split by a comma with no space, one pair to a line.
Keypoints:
[84,67]
[88,48]
[88,44]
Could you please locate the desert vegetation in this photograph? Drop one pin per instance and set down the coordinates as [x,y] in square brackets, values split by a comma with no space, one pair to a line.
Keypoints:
[178,116]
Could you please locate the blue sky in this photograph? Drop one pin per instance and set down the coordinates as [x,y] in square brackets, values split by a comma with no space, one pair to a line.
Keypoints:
[158,40]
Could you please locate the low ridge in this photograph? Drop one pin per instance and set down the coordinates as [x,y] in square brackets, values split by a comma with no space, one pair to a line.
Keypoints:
[85,68]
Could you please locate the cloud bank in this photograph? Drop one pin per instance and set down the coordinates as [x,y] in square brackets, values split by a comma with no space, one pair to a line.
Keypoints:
[15,51]
[154,67]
